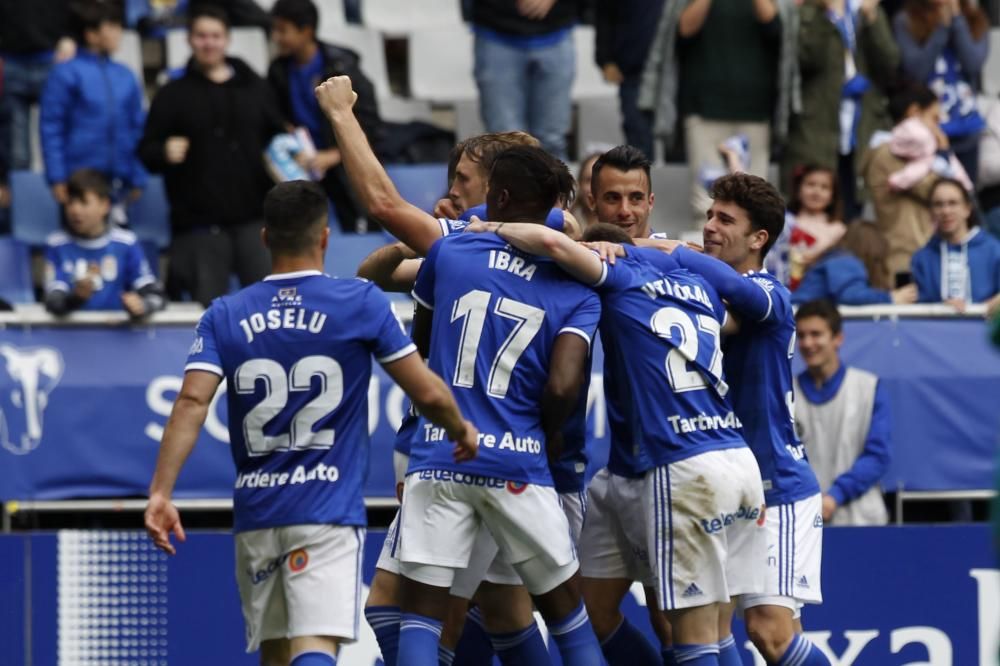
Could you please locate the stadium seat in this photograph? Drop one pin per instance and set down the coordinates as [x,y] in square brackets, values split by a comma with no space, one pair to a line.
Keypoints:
[149,216]
[589,81]
[248,44]
[34,213]
[15,272]
[129,53]
[420,184]
[401,17]
[991,69]
[598,121]
[331,15]
[441,65]
[345,253]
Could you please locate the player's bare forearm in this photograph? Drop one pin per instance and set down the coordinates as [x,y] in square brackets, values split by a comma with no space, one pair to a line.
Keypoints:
[392,268]
[369,181]
[566,378]
[179,438]
[538,239]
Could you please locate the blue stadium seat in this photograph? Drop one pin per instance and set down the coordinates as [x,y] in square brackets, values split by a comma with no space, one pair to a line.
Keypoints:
[420,184]
[345,253]
[15,272]
[34,213]
[149,216]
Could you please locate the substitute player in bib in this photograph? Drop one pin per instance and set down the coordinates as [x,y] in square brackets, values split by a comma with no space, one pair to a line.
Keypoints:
[745,219]
[512,333]
[296,353]
[703,500]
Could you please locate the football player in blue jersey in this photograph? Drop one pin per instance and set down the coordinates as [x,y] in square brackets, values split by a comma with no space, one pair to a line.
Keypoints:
[94,265]
[702,498]
[295,350]
[745,219]
[512,333]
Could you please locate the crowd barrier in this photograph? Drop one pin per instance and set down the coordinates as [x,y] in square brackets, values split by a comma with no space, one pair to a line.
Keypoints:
[893,596]
[83,402]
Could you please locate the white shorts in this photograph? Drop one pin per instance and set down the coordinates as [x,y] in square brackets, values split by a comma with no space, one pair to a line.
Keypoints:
[794,555]
[300,580]
[443,514]
[400,461]
[613,540]
[487,564]
[705,525]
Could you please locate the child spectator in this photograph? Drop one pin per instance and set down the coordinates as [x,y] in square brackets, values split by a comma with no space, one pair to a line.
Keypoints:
[93,266]
[812,224]
[961,263]
[91,108]
[853,272]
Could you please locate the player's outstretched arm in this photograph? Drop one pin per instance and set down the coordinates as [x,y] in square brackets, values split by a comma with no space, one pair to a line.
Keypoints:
[538,239]
[566,377]
[393,268]
[744,296]
[179,438]
[368,179]
[434,400]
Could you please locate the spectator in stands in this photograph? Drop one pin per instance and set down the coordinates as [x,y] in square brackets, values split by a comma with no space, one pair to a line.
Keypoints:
[34,35]
[723,68]
[903,216]
[303,63]
[240,12]
[94,265]
[944,43]
[853,272]
[842,415]
[961,263]
[847,57]
[206,133]
[91,109]
[625,31]
[524,66]
[584,210]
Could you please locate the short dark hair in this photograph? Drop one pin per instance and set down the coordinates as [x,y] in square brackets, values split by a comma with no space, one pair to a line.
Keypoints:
[532,178]
[294,215]
[973,220]
[609,233]
[300,13]
[623,158]
[823,309]
[210,12]
[87,15]
[759,198]
[88,180]
[906,95]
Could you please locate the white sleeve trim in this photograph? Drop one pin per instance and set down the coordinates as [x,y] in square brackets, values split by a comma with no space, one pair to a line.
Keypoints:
[395,356]
[56,285]
[207,367]
[770,303]
[576,331]
[443,223]
[604,274]
[142,281]
[421,301]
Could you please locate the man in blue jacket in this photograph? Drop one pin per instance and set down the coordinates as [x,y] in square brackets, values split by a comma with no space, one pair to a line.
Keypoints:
[91,108]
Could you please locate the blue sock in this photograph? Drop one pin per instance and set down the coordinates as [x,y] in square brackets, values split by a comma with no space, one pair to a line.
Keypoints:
[384,621]
[521,648]
[576,640]
[728,654]
[803,653]
[668,656]
[474,647]
[418,639]
[445,656]
[314,659]
[696,655]
[627,646]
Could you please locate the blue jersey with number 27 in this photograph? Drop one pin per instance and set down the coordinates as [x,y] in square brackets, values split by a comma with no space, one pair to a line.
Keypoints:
[295,350]
[497,314]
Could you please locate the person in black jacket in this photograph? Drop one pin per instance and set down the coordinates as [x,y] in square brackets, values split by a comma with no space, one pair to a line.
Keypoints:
[206,132]
[302,64]
[625,31]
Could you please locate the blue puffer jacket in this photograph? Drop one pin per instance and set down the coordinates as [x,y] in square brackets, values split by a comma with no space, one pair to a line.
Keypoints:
[838,276]
[92,117]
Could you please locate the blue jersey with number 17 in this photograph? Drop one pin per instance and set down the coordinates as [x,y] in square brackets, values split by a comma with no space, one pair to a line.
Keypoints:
[296,353]
[497,314]
[662,324]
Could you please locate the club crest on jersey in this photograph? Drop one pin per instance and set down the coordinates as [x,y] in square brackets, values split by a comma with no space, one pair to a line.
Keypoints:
[298,560]
[31,374]
[516,487]
[287,296]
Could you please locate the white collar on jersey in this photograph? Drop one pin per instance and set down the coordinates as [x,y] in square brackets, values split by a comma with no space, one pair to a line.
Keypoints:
[293,275]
